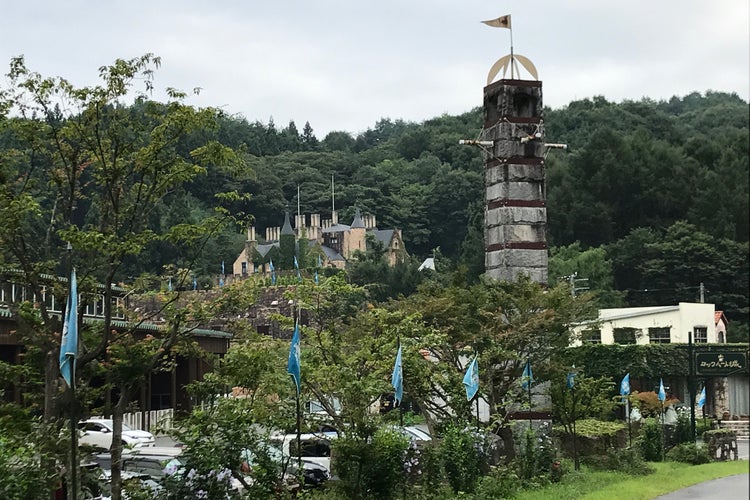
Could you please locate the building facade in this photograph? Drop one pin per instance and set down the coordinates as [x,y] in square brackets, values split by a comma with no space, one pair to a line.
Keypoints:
[336,243]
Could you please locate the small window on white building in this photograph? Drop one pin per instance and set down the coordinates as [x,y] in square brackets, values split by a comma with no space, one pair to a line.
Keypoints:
[659,335]
[625,335]
[700,334]
[592,337]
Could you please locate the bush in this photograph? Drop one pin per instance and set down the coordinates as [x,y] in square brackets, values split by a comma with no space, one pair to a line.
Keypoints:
[651,442]
[627,460]
[682,428]
[371,468]
[536,456]
[649,404]
[689,453]
[465,451]
[501,482]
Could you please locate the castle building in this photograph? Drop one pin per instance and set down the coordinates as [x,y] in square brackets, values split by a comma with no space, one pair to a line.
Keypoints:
[337,243]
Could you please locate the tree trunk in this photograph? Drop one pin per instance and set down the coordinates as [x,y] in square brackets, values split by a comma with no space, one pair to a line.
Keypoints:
[116,449]
[50,401]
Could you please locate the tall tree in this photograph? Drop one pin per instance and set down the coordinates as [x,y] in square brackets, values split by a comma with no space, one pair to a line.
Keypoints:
[109,168]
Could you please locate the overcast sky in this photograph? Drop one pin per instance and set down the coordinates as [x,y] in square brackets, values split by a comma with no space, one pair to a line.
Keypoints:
[342,65]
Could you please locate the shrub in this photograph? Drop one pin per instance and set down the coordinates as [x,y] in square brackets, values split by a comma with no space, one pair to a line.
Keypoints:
[682,432]
[627,460]
[651,442]
[536,456]
[371,468]
[501,482]
[689,453]
[465,451]
[649,403]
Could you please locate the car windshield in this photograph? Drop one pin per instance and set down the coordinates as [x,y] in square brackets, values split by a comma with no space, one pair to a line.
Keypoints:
[126,427]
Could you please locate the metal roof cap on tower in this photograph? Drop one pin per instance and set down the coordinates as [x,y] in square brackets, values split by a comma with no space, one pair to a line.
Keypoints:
[287,228]
[357,223]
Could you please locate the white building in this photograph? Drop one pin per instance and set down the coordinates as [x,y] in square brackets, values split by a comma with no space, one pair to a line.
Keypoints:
[672,325]
[652,325]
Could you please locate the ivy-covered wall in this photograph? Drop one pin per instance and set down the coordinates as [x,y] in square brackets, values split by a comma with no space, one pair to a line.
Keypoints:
[641,361]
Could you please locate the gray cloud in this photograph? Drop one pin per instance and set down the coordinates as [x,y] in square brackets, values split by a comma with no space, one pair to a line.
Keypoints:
[342,65]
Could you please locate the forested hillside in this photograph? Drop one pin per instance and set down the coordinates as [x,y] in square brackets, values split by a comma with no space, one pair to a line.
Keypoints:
[650,199]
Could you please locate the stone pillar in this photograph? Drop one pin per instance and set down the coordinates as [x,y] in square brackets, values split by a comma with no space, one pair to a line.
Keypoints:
[515,192]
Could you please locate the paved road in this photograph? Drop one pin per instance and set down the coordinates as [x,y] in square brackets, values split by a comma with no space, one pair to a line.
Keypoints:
[726,488]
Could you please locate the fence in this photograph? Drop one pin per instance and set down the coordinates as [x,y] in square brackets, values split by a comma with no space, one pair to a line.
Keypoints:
[148,420]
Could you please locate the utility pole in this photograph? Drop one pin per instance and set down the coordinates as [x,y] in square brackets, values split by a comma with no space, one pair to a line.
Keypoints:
[573,281]
[703,292]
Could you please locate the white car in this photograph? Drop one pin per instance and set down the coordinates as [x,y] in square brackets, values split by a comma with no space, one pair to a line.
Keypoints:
[98,432]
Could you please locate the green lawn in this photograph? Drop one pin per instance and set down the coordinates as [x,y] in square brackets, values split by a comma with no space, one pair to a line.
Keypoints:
[669,476]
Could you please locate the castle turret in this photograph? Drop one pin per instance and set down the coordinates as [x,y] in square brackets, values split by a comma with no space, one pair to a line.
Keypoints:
[355,238]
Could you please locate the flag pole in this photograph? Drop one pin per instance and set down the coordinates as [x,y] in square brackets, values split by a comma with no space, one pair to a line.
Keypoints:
[400,410]
[576,462]
[630,428]
[528,387]
[512,59]
[73,493]
[299,416]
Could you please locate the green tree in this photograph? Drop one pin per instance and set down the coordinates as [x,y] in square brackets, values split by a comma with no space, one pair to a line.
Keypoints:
[506,324]
[109,168]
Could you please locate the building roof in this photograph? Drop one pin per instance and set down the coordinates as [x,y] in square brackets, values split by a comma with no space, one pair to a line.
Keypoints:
[384,236]
[429,263]
[357,223]
[287,227]
[338,228]
[331,254]
[719,316]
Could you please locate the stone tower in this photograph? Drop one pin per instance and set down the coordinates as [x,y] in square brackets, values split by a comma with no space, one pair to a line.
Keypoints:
[515,192]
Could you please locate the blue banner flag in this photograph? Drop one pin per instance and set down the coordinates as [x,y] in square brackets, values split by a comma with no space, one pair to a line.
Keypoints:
[471,379]
[625,385]
[273,271]
[570,380]
[662,393]
[317,280]
[527,378]
[222,267]
[320,264]
[296,266]
[293,364]
[169,284]
[69,341]
[397,378]
[195,283]
[702,398]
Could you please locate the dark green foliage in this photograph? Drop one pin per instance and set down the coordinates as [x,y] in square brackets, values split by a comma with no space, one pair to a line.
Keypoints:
[626,460]
[682,429]
[371,468]
[689,453]
[651,440]
[501,482]
[536,457]
[464,451]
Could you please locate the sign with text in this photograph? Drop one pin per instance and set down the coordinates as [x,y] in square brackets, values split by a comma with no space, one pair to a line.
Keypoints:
[720,364]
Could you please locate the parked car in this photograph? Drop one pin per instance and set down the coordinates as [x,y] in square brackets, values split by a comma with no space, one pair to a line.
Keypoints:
[415,433]
[314,474]
[315,447]
[97,432]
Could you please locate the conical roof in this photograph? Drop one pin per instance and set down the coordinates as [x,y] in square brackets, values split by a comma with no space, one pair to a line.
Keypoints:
[357,222]
[287,228]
